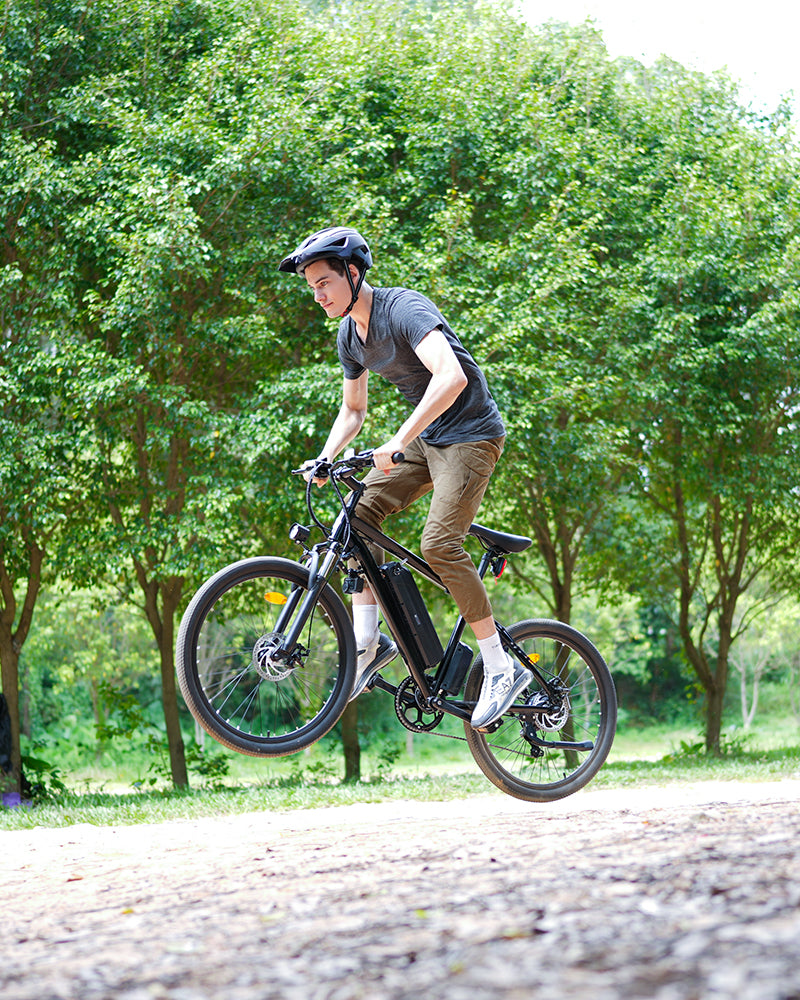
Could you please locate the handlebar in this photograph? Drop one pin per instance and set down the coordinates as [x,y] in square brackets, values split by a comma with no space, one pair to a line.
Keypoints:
[344,469]
[322,469]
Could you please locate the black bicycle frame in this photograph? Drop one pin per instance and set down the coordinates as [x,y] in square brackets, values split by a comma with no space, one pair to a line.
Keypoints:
[364,533]
[342,543]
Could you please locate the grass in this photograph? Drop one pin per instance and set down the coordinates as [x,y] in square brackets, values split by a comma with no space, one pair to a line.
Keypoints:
[690,765]
[306,781]
[157,806]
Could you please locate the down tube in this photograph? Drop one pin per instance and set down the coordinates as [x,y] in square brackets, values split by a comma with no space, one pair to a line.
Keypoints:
[390,612]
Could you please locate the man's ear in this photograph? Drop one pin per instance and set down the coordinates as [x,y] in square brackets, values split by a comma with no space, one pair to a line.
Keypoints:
[354,272]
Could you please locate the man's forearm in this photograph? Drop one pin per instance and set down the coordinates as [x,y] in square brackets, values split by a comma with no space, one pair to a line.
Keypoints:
[440,395]
[345,427]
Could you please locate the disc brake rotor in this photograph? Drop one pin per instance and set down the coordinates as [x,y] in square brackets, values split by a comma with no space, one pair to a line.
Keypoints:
[266,665]
[551,717]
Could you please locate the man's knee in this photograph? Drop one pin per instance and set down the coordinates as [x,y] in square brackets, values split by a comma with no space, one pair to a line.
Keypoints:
[440,548]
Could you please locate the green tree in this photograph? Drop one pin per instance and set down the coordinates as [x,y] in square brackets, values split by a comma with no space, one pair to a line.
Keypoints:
[84,648]
[610,242]
[203,144]
[713,387]
[43,477]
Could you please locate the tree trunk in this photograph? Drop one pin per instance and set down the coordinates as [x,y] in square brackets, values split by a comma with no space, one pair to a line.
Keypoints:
[351,748]
[749,705]
[350,744]
[162,622]
[713,683]
[11,781]
[715,689]
[11,642]
[100,718]
[169,696]
[714,699]
[177,755]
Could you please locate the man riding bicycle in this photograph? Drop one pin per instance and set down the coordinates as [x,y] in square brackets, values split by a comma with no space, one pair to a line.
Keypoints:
[451,441]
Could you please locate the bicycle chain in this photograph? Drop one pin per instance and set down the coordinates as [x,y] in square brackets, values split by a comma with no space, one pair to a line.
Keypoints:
[463,739]
[401,706]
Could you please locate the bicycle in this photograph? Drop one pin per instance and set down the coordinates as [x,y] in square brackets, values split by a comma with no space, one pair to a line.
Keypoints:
[266,655]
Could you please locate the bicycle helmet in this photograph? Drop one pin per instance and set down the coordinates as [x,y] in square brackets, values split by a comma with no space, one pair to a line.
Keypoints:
[337,241]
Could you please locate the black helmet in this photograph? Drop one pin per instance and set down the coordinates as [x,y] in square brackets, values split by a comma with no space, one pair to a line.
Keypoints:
[339,241]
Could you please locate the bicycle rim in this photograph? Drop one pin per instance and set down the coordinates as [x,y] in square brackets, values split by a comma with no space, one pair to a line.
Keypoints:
[236,694]
[509,758]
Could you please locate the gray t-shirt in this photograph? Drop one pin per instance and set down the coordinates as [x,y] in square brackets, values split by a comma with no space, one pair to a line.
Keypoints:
[400,319]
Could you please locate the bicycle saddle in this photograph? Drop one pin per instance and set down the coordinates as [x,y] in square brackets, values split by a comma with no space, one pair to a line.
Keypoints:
[500,540]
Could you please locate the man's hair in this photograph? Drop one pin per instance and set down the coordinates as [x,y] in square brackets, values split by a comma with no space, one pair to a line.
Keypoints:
[340,266]
[337,264]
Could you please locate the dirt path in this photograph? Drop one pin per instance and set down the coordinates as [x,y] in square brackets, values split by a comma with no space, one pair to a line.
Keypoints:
[672,893]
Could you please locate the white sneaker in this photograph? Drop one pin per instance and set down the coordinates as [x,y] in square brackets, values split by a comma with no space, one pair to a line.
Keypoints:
[498,692]
[370,660]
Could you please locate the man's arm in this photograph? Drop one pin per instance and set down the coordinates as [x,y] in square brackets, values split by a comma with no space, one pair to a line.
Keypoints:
[350,417]
[446,385]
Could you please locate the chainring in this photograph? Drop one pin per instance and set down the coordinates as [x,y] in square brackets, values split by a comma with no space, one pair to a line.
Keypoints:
[411,709]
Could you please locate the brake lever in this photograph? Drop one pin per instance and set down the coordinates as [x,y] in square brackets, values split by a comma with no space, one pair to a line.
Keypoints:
[319,470]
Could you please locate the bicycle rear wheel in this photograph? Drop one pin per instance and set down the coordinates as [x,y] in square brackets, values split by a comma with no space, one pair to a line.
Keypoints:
[231,686]
[510,757]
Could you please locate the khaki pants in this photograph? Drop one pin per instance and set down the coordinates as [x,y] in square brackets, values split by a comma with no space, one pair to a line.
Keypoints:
[458,474]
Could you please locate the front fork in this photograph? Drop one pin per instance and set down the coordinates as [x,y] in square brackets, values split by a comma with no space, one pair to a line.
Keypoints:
[299,608]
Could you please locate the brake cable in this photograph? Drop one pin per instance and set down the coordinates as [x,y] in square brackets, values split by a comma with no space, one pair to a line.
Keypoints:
[312,514]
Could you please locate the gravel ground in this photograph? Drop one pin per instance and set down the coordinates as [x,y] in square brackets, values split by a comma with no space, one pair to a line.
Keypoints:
[668,893]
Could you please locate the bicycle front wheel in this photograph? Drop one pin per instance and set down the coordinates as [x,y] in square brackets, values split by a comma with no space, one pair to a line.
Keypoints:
[518,756]
[232,686]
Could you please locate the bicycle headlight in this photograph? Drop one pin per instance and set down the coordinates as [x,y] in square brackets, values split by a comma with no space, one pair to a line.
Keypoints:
[299,533]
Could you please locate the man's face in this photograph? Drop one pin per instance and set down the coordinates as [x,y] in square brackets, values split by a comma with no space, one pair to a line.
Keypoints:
[331,290]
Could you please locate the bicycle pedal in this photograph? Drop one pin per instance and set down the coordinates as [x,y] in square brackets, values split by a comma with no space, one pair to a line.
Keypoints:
[491,728]
[378,682]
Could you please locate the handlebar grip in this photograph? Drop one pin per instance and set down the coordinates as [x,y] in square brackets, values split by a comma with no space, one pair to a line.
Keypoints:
[398,457]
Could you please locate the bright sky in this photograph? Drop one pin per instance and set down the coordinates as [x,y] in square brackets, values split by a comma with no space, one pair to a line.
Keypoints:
[756,42]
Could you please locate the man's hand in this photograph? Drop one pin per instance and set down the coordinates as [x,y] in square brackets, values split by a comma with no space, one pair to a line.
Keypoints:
[318,465]
[382,457]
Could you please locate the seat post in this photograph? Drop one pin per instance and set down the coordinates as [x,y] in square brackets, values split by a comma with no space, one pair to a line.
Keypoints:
[486,560]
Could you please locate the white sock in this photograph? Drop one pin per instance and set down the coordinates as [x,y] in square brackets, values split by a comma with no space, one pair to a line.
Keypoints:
[365,624]
[495,660]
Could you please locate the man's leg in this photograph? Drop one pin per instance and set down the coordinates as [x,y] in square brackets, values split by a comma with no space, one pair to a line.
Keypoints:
[460,476]
[384,495]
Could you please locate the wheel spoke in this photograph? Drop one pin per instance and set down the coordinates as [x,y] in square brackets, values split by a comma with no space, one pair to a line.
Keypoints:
[512,756]
[231,671]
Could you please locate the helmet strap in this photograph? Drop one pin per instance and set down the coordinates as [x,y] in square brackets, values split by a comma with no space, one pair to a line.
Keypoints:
[355,288]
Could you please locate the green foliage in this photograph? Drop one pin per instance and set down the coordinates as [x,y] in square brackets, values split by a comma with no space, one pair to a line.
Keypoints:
[210,768]
[617,245]
[733,746]
[43,780]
